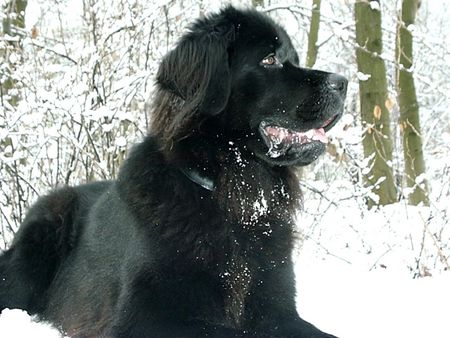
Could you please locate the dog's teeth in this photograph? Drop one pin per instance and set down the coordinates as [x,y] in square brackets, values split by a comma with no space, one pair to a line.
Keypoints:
[278,147]
[305,139]
[310,133]
[282,139]
[275,152]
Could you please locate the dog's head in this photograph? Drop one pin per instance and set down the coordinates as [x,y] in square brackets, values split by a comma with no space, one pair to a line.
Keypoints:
[236,74]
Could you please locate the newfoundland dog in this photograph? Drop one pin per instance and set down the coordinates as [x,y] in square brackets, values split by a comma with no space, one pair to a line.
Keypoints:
[194,238]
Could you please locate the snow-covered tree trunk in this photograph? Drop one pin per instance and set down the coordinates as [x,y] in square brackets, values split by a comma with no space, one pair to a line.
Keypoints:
[409,107]
[313,34]
[14,19]
[377,141]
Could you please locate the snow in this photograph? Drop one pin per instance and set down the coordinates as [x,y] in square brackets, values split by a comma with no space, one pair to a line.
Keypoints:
[362,76]
[353,303]
[121,141]
[18,324]
[411,28]
[374,5]
[373,273]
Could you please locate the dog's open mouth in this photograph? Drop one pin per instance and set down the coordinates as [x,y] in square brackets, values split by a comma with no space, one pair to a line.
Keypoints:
[280,140]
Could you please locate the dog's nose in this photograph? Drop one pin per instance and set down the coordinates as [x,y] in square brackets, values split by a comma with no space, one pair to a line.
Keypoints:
[337,83]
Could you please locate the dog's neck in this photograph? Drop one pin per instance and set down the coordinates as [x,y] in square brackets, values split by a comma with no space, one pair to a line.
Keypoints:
[197,160]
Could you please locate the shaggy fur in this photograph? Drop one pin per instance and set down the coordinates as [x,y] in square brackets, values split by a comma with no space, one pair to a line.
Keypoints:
[156,254]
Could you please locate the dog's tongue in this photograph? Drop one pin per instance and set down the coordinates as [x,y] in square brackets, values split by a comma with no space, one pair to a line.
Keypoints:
[319,135]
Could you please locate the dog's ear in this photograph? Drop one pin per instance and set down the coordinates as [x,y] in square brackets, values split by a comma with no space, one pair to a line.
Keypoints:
[197,70]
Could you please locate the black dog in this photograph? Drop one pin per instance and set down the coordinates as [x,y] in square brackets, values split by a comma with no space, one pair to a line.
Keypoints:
[194,238]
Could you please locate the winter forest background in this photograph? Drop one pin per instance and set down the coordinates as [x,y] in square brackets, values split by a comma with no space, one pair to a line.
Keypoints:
[76,78]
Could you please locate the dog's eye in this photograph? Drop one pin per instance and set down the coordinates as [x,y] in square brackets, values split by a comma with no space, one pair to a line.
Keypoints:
[271,60]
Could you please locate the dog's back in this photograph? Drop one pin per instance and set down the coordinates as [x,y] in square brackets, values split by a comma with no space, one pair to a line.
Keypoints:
[45,238]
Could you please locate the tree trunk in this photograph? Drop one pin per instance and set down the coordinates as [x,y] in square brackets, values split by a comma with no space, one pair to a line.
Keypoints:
[14,12]
[409,108]
[17,8]
[257,3]
[377,140]
[313,34]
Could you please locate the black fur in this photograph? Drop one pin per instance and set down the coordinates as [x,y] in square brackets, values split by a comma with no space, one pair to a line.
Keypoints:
[154,254]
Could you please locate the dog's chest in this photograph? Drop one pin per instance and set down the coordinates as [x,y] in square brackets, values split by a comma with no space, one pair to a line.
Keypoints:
[236,279]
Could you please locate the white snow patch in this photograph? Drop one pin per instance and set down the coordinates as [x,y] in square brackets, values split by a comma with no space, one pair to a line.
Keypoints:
[373,273]
[260,206]
[121,141]
[363,77]
[412,28]
[352,303]
[374,5]
[18,324]
[421,178]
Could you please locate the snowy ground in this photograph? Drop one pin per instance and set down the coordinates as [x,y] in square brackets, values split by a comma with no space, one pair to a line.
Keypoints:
[17,324]
[379,273]
[355,272]
[353,303]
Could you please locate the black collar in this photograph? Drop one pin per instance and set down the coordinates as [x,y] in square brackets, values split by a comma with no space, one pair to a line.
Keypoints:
[203,181]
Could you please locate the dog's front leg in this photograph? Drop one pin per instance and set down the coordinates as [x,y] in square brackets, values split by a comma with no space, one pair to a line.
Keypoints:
[271,309]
